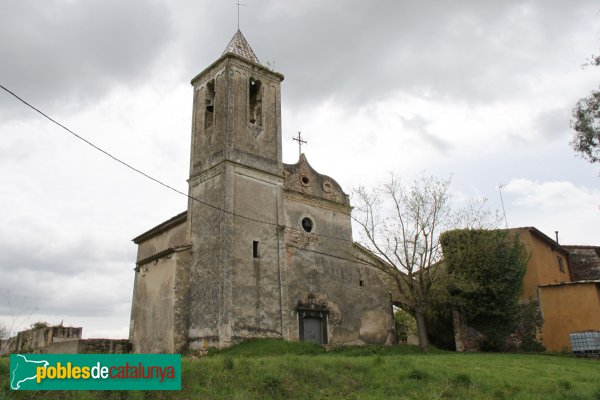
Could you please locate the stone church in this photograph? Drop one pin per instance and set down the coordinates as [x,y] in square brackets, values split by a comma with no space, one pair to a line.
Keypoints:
[264,249]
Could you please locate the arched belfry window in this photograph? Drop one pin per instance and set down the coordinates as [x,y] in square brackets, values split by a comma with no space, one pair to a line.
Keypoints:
[209,104]
[254,102]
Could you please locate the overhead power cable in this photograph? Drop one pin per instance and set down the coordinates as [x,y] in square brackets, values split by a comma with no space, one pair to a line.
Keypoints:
[149,176]
[129,165]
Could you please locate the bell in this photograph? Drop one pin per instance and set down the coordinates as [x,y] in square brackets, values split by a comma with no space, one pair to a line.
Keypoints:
[209,104]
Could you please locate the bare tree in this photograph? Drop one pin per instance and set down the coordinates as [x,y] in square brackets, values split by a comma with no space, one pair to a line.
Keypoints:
[401,224]
[4,335]
[17,318]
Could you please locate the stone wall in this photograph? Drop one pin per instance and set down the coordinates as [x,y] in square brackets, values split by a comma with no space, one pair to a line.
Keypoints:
[325,277]
[30,341]
[89,346]
[61,340]
[104,346]
[64,347]
[159,305]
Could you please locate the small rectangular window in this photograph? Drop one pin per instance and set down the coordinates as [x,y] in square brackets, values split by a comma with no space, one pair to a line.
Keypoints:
[561,267]
[255,253]
[361,282]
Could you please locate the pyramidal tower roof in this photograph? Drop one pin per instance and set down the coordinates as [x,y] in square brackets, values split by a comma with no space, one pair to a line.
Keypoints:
[239,45]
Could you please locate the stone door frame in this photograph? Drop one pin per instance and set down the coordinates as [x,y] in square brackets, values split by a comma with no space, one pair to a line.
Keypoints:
[312,311]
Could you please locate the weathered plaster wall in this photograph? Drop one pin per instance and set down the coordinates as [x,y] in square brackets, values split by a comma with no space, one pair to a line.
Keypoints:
[181,313]
[236,166]
[357,314]
[256,280]
[566,309]
[322,263]
[231,137]
[172,238]
[208,142]
[153,327]
[234,295]
[210,294]
[388,282]
[256,146]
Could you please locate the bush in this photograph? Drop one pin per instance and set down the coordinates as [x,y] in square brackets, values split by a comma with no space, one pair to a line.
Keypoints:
[529,326]
[39,324]
[486,271]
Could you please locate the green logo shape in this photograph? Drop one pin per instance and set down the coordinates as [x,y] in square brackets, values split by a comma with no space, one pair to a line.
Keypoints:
[95,372]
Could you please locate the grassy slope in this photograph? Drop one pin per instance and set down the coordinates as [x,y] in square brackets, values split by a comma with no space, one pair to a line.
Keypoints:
[273,369]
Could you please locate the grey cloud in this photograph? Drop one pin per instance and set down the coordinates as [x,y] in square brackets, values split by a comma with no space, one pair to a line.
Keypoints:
[554,124]
[71,52]
[352,51]
[66,286]
[71,260]
[420,125]
[360,51]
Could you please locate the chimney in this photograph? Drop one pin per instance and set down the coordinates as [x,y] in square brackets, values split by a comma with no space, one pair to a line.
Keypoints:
[556,233]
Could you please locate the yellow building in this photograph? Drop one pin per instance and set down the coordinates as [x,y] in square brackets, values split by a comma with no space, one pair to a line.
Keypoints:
[566,306]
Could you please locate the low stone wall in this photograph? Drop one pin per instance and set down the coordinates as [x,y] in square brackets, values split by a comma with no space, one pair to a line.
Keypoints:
[89,346]
[61,340]
[32,340]
[63,347]
[104,346]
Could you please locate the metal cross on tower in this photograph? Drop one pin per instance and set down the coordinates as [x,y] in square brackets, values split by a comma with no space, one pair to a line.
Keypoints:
[300,142]
[238,4]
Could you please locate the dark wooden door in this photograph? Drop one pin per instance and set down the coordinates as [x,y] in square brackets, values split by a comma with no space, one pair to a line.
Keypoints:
[313,330]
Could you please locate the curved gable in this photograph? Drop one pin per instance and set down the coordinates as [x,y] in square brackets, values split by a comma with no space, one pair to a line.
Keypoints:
[302,178]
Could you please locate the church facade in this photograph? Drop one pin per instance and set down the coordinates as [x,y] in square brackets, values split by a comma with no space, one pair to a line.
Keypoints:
[265,249]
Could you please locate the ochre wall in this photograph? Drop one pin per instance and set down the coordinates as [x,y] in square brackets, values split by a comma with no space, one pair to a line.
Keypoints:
[542,267]
[566,309]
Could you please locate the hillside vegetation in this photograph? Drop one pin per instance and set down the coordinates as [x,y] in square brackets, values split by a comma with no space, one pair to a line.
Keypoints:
[272,369]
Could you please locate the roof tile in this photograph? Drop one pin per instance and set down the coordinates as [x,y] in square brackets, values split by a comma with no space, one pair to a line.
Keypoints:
[239,45]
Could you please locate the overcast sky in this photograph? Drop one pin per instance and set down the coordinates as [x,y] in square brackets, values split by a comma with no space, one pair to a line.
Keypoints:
[482,90]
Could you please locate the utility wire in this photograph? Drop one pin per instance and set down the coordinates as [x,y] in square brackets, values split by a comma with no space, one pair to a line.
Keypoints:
[130,166]
[150,177]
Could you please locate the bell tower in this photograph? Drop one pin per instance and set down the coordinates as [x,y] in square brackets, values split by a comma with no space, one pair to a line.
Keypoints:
[236,210]
[237,112]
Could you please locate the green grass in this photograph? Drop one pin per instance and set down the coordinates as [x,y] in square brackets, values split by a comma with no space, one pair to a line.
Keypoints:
[272,369]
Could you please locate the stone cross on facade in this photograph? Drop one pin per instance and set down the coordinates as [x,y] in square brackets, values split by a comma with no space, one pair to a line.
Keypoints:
[300,142]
